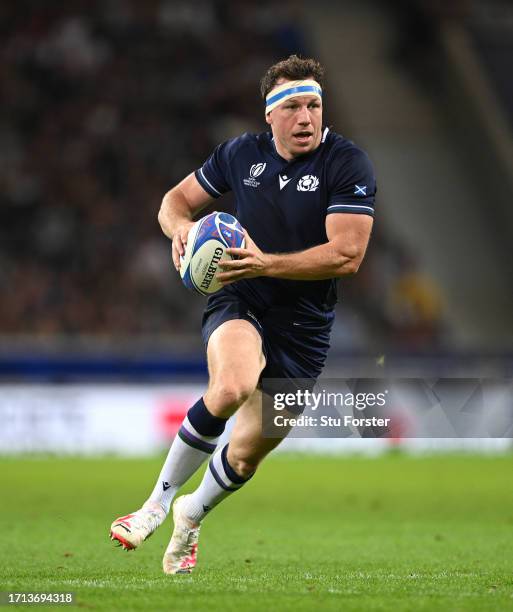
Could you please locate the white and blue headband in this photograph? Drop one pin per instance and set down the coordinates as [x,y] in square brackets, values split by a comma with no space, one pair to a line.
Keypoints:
[291,89]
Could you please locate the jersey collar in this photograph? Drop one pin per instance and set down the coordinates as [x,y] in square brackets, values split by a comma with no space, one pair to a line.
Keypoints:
[305,156]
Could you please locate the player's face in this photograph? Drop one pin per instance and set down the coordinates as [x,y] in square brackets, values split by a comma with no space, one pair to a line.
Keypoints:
[296,125]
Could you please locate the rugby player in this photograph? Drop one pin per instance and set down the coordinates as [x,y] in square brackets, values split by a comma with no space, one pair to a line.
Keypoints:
[305,197]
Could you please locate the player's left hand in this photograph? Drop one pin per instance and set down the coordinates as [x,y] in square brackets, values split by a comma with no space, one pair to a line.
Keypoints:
[250,263]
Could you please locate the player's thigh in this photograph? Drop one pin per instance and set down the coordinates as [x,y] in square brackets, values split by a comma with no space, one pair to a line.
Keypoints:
[235,359]
[248,445]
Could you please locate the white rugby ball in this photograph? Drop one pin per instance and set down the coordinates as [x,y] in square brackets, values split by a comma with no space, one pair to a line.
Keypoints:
[207,242]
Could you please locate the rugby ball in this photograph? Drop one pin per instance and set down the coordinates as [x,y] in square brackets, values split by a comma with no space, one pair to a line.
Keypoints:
[207,242]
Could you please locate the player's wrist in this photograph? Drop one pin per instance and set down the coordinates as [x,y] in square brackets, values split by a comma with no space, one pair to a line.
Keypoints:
[178,225]
[270,261]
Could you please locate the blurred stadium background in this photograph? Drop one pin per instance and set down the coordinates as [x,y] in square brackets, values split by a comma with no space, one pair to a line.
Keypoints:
[107,104]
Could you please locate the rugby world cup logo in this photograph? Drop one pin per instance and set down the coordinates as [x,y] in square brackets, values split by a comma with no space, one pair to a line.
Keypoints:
[257,169]
[309,182]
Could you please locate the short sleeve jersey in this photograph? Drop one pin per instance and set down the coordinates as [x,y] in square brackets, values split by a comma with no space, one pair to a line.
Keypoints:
[284,204]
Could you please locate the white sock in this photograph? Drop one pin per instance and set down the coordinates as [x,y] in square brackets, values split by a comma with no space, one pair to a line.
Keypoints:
[219,481]
[188,451]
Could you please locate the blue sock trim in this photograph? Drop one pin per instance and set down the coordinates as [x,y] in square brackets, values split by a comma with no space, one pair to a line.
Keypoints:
[204,422]
[195,442]
[218,479]
[230,472]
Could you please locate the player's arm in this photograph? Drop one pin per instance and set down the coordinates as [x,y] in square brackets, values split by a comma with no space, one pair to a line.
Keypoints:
[348,236]
[177,210]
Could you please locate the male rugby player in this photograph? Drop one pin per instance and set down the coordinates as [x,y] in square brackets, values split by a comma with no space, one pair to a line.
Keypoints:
[305,197]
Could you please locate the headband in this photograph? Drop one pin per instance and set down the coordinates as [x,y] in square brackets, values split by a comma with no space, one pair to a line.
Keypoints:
[291,89]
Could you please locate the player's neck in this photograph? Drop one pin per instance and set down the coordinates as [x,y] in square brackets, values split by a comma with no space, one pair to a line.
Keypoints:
[289,156]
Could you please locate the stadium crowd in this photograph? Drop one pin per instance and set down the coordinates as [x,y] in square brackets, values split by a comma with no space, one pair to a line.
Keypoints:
[104,106]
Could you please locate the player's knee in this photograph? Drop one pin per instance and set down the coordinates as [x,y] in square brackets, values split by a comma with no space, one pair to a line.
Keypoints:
[234,394]
[230,395]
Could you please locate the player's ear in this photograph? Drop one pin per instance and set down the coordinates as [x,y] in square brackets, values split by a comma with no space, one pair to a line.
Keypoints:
[268,118]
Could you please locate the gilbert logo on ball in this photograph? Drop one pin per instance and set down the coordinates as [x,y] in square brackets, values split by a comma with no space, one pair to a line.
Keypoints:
[207,242]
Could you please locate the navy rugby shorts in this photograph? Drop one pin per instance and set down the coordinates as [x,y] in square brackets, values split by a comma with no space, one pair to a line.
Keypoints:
[294,346]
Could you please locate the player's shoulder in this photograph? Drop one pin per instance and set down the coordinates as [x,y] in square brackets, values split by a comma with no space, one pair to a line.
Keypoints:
[345,161]
[239,151]
[247,141]
[340,149]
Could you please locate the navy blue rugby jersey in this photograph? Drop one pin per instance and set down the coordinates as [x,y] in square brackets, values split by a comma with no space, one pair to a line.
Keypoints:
[283,205]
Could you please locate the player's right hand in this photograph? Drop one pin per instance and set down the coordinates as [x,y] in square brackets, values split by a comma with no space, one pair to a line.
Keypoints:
[180,243]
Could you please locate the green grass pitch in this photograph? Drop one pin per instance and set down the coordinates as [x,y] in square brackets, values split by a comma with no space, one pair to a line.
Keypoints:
[308,533]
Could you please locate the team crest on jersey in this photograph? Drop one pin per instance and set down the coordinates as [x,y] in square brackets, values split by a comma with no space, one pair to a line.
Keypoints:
[309,182]
[254,171]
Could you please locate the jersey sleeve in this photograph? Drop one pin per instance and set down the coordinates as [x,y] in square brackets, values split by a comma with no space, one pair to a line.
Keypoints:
[353,185]
[214,175]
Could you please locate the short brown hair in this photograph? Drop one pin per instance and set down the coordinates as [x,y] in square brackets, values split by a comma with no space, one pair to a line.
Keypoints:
[293,68]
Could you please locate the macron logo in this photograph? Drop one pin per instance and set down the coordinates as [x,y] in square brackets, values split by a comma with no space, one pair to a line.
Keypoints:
[283,181]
